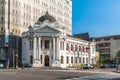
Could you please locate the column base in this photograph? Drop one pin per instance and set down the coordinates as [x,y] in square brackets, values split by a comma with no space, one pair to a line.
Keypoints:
[56,64]
[36,63]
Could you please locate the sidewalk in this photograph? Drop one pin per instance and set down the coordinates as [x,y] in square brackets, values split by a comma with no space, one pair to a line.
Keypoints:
[10,69]
[66,69]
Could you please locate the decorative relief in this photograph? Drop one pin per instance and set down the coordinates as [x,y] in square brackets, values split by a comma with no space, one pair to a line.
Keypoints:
[47,29]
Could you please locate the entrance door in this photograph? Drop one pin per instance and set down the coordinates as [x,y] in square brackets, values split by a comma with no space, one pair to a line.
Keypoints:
[46,60]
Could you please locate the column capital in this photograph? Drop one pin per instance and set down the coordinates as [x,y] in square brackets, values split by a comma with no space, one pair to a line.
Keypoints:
[56,36]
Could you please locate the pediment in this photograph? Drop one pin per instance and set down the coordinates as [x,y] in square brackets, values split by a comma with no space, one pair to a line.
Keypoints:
[47,29]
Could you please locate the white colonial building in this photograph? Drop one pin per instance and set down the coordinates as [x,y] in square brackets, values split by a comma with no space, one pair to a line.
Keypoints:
[47,44]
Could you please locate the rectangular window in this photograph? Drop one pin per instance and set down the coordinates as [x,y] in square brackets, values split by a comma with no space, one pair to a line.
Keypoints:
[80,60]
[83,60]
[67,59]
[62,59]
[75,59]
[41,58]
[71,59]
[86,60]
[47,44]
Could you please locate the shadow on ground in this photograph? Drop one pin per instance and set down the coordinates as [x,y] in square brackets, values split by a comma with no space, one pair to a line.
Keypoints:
[68,77]
[98,79]
[71,78]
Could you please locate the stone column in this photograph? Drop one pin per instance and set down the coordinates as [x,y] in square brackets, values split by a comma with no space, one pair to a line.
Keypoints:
[65,44]
[42,44]
[37,48]
[34,48]
[58,49]
[53,48]
[36,62]
[39,41]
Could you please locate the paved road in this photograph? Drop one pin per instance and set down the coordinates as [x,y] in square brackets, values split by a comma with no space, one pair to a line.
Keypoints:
[47,74]
[41,75]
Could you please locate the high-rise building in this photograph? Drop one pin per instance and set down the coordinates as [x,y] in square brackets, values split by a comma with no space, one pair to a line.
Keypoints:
[17,15]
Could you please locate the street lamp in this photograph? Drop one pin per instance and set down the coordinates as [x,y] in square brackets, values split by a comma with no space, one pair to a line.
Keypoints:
[16,61]
[117,64]
[13,59]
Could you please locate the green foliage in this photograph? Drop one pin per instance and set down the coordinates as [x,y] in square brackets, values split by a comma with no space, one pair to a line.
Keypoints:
[97,65]
[103,60]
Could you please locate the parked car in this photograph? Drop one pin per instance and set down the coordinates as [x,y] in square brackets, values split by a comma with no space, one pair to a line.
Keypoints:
[27,65]
[112,65]
[2,65]
[104,66]
[88,66]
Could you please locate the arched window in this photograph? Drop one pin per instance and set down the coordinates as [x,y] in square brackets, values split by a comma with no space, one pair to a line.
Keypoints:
[83,49]
[67,46]
[76,48]
[79,48]
[72,47]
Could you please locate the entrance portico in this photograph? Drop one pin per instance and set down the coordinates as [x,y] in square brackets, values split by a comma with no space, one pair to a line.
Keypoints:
[46,44]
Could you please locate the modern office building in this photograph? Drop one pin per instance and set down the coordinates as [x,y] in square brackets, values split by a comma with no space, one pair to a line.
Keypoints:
[108,46]
[47,44]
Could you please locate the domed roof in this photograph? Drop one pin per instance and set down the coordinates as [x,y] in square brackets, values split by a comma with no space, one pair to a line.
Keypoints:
[47,16]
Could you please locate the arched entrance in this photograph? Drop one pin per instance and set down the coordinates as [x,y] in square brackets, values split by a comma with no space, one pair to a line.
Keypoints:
[46,60]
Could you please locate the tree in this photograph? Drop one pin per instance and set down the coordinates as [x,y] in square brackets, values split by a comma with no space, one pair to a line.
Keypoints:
[101,60]
[104,60]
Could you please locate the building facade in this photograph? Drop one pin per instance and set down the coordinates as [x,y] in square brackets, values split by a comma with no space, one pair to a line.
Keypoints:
[46,44]
[16,15]
[108,46]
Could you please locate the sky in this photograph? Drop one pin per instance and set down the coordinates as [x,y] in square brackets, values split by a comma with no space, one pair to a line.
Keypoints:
[97,17]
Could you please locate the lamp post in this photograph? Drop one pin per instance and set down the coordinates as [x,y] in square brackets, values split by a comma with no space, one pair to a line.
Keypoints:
[117,63]
[16,61]
[13,59]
